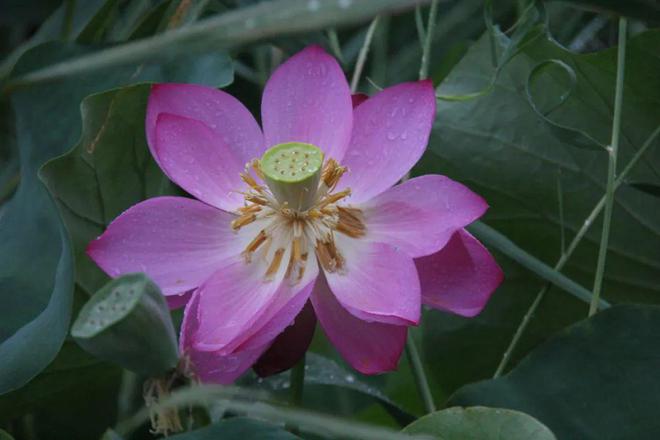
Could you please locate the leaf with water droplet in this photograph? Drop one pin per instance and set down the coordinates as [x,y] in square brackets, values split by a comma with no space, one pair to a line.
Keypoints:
[322,372]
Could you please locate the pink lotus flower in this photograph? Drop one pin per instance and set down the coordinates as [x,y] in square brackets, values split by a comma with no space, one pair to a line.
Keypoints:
[252,250]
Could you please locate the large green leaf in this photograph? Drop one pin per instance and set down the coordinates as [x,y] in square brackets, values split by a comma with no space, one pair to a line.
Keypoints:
[37,337]
[595,380]
[499,147]
[496,143]
[51,29]
[109,170]
[75,397]
[480,423]
[36,273]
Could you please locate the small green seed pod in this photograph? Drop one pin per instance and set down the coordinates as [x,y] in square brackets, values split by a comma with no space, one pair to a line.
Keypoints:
[128,322]
[292,172]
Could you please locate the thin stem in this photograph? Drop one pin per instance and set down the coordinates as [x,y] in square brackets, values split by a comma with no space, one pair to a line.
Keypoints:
[67,24]
[611,169]
[571,247]
[424,68]
[362,57]
[297,382]
[334,45]
[179,14]
[248,73]
[520,330]
[521,6]
[297,386]
[418,373]
[560,206]
[419,23]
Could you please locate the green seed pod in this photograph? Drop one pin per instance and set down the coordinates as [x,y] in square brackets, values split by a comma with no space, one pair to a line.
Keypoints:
[292,172]
[128,322]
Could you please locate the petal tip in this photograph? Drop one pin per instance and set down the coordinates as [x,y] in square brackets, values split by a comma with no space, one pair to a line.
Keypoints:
[314,48]
[92,250]
[426,82]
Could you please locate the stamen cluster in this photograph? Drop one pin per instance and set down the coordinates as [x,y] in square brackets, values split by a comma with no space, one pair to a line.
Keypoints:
[297,232]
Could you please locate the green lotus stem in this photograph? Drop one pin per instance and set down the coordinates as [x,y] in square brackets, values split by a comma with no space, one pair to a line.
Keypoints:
[297,386]
[333,40]
[426,52]
[67,24]
[419,24]
[362,56]
[560,206]
[613,150]
[417,368]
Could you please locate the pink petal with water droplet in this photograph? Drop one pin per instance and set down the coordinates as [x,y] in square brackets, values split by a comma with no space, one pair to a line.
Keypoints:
[307,99]
[193,157]
[231,123]
[390,133]
[378,282]
[370,347]
[235,300]
[212,366]
[177,242]
[461,277]
[289,301]
[420,215]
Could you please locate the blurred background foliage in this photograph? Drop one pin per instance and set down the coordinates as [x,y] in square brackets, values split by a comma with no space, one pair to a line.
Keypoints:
[523,88]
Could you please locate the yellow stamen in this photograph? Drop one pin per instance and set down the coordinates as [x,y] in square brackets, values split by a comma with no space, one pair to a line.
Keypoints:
[329,257]
[301,268]
[297,249]
[256,242]
[251,182]
[250,209]
[333,198]
[350,223]
[256,166]
[275,264]
[332,172]
[243,220]
[256,199]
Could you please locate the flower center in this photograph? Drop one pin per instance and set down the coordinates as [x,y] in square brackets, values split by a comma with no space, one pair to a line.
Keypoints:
[292,172]
[298,210]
